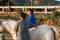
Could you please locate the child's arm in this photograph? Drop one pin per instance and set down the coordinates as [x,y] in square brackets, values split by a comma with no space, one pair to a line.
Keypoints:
[31,25]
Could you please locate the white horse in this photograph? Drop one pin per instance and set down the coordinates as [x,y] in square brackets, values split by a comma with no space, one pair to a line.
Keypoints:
[42,32]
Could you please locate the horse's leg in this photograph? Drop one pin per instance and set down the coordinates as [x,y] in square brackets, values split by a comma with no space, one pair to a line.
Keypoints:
[10,31]
[14,36]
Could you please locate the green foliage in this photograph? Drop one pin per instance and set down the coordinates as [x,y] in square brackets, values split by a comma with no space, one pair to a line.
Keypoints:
[34,2]
[1,0]
[3,37]
[18,11]
[54,17]
[55,12]
[43,3]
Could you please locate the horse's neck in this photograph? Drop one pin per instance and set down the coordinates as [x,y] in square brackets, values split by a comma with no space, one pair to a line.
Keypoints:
[9,24]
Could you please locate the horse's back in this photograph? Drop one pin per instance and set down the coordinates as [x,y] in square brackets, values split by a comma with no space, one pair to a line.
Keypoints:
[44,28]
[42,32]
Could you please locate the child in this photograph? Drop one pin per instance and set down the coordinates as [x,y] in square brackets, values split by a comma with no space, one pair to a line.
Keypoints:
[31,16]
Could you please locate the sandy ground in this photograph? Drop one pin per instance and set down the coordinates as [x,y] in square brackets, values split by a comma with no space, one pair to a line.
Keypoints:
[58,28]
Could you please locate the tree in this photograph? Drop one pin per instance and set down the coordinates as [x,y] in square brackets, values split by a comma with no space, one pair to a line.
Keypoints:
[1,2]
[42,3]
[47,2]
[32,3]
[22,2]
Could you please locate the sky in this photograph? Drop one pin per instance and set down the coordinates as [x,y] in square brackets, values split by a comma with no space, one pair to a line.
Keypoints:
[57,0]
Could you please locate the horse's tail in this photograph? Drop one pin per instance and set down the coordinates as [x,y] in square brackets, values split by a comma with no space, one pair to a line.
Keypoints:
[55,33]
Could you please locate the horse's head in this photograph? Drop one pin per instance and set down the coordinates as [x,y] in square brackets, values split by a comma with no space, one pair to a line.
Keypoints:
[1,27]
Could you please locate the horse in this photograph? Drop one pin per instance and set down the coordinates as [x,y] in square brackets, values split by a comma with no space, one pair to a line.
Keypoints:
[42,32]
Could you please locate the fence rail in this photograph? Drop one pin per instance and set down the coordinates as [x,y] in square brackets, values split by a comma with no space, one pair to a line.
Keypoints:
[24,8]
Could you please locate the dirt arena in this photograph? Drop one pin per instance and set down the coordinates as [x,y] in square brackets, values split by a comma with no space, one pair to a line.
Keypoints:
[58,28]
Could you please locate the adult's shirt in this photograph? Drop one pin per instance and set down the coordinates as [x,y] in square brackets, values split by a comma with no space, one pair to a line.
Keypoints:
[23,30]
